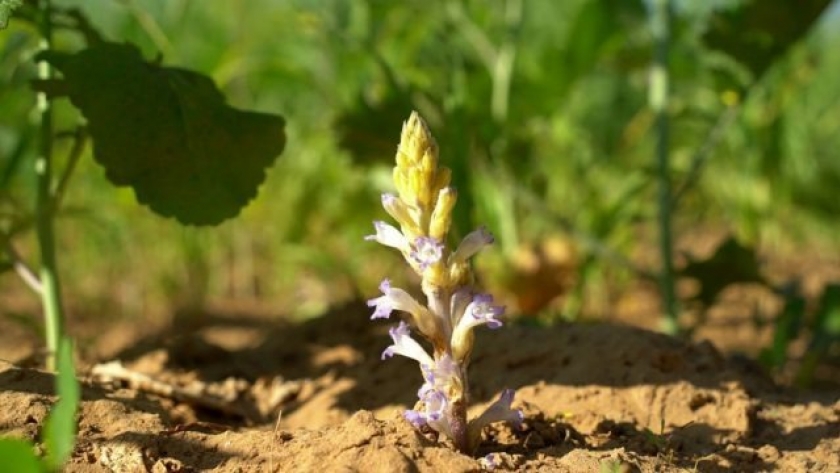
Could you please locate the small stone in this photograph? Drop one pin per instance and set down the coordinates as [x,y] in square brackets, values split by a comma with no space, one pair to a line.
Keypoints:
[769,453]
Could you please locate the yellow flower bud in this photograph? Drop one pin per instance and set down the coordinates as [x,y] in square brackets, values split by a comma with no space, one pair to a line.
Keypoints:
[442,213]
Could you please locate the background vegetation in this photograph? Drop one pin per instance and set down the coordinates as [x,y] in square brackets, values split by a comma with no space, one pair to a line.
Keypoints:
[540,108]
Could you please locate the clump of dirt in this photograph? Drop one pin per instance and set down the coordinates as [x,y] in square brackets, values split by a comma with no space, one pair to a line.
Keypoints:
[316,397]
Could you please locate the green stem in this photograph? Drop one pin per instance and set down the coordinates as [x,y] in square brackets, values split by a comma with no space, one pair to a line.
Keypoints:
[79,141]
[704,152]
[50,287]
[505,57]
[659,104]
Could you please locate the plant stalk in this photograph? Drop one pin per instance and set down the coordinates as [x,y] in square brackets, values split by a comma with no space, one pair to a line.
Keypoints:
[50,285]
[460,433]
[660,25]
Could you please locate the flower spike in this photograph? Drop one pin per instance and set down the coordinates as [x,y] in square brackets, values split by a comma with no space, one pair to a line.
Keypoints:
[422,207]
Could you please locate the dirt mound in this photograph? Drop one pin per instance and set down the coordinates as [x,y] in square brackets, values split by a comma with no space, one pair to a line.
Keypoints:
[595,397]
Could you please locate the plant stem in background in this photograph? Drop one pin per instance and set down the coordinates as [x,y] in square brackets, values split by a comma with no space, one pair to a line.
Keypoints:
[50,286]
[660,19]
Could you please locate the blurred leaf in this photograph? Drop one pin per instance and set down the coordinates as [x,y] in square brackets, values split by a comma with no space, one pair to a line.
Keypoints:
[168,133]
[825,332]
[622,207]
[756,32]
[597,24]
[370,130]
[787,326]
[18,456]
[60,427]
[731,263]
[539,273]
[827,322]
[6,8]
[26,320]
[12,165]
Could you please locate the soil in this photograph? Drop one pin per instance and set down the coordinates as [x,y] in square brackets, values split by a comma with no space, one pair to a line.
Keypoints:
[315,396]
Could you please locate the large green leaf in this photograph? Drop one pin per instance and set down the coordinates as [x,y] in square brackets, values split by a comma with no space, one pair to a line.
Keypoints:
[168,132]
[756,32]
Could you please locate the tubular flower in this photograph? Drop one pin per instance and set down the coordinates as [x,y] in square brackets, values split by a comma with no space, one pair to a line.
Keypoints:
[392,299]
[388,235]
[422,206]
[406,346]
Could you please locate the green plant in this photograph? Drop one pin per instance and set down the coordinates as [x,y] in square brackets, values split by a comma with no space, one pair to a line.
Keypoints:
[454,308]
[659,92]
[824,332]
[59,431]
[166,132]
[6,9]
[820,329]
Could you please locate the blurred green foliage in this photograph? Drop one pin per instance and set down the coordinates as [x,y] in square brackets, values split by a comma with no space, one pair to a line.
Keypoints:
[539,108]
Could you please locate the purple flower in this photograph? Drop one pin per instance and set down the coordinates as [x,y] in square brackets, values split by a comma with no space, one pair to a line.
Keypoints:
[480,311]
[490,461]
[417,418]
[441,373]
[388,235]
[392,299]
[406,346]
[471,244]
[435,412]
[499,411]
[435,406]
[427,251]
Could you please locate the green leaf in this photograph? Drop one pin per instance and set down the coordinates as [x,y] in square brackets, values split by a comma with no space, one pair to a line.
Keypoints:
[787,328]
[60,428]
[168,133]
[598,26]
[825,333]
[6,8]
[17,455]
[757,32]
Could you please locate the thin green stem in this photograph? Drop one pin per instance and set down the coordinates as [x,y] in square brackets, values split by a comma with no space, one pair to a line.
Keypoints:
[704,152]
[660,24]
[27,275]
[502,70]
[50,286]
[79,141]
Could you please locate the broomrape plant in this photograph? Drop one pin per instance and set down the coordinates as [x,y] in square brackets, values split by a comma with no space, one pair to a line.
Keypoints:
[423,209]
